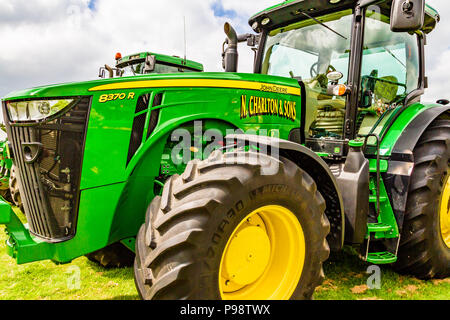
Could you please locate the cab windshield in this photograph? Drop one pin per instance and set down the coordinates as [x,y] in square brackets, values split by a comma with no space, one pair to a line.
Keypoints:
[308,51]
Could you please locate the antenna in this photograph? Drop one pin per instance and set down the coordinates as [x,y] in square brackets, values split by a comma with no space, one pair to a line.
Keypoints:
[185,45]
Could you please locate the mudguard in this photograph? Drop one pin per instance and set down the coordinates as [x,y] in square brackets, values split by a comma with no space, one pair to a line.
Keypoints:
[401,163]
[403,149]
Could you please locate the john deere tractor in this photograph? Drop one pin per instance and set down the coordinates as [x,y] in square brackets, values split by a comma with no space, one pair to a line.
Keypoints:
[237,186]
[9,188]
[149,63]
[5,168]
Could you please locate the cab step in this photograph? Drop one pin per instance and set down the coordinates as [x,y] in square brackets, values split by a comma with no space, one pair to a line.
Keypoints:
[373,199]
[381,258]
[378,227]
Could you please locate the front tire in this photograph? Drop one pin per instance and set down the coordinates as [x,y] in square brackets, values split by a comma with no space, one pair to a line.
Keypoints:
[224,231]
[14,188]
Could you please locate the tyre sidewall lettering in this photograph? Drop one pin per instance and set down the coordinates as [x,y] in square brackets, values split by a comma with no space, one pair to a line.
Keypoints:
[227,220]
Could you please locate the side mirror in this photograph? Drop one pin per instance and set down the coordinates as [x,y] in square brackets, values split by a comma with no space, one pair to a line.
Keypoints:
[407,15]
[150,63]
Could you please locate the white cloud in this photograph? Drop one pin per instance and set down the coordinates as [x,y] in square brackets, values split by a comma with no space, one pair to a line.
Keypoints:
[68,42]
[53,41]
[438,55]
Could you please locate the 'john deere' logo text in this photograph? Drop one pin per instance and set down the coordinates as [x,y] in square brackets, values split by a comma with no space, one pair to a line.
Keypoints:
[273,88]
[258,106]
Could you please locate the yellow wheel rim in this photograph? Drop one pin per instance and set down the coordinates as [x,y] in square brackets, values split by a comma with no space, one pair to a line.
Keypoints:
[264,257]
[445,212]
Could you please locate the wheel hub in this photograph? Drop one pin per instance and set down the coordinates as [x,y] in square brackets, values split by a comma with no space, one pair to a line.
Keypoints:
[445,212]
[264,256]
[247,256]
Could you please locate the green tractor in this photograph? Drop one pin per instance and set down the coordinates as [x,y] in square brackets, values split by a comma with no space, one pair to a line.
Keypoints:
[5,168]
[237,186]
[9,187]
[148,63]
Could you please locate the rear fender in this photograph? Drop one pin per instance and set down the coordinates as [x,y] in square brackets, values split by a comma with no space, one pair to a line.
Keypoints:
[401,162]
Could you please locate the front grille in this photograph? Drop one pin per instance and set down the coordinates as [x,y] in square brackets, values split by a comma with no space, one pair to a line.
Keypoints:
[49,184]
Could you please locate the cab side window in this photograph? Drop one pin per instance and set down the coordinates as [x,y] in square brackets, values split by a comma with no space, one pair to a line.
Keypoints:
[390,71]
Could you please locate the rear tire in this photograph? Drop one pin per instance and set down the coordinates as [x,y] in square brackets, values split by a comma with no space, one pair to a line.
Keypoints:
[423,251]
[181,247]
[113,256]
[4,183]
[14,188]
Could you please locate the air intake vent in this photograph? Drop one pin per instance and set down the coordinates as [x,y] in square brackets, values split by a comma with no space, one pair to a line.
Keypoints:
[142,103]
[154,114]
[137,131]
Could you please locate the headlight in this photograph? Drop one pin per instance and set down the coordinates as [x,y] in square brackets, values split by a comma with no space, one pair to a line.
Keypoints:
[35,110]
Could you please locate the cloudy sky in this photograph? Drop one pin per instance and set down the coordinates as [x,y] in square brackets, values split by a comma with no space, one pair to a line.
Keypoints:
[54,41]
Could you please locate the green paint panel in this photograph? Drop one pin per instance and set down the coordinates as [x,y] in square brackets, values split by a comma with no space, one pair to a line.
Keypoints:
[386,217]
[373,165]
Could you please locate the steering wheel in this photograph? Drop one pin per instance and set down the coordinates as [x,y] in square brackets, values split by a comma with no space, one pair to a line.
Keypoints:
[314,71]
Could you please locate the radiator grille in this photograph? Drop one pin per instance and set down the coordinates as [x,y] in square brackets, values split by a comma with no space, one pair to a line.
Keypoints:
[49,186]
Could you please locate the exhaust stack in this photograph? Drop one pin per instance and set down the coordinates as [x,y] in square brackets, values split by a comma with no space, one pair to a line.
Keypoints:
[230,54]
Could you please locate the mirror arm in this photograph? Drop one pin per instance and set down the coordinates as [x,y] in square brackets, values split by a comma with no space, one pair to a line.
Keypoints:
[150,64]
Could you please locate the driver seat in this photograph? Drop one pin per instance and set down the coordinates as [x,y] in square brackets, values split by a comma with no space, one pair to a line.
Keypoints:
[385,93]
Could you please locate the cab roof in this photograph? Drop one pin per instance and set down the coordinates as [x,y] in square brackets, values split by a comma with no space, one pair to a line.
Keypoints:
[171,60]
[289,11]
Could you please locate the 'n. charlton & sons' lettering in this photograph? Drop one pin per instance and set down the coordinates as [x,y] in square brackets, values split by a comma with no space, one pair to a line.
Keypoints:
[258,106]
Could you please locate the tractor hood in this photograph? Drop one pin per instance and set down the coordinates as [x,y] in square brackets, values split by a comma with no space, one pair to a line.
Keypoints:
[185,80]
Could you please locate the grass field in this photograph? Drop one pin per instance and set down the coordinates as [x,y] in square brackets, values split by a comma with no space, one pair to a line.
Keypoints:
[346,279]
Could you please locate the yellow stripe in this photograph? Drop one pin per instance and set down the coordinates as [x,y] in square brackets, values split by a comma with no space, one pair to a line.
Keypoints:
[199,83]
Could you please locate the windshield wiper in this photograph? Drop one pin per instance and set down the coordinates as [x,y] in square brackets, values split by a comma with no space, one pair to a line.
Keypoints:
[392,54]
[323,24]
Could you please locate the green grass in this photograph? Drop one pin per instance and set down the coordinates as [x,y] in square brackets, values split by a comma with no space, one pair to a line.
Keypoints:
[48,281]
[346,279]
[344,273]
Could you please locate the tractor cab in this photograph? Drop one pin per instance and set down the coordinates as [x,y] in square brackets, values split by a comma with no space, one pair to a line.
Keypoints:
[148,63]
[355,71]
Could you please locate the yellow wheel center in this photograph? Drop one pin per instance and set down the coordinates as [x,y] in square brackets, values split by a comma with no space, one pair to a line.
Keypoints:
[247,256]
[444,212]
[264,257]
